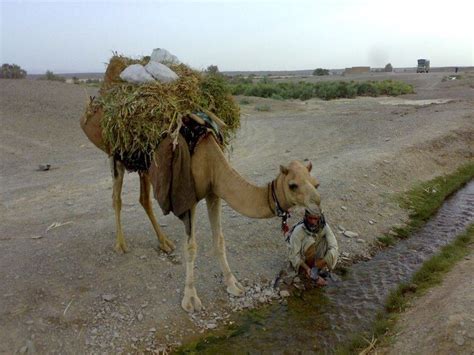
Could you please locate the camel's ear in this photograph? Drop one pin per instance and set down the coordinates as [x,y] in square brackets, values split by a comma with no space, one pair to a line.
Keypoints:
[309,166]
[284,170]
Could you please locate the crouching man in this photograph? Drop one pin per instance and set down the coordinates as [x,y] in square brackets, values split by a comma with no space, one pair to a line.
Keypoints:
[313,246]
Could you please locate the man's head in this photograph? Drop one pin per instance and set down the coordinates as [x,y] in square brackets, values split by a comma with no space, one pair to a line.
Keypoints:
[313,219]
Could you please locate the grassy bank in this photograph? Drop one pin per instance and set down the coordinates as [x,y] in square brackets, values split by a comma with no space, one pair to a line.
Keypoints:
[426,198]
[430,274]
[326,90]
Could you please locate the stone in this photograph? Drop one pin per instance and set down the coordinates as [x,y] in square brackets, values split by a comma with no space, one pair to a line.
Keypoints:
[341,228]
[459,339]
[140,317]
[360,240]
[344,208]
[350,234]
[261,299]
[109,297]
[371,222]
[211,326]
[284,293]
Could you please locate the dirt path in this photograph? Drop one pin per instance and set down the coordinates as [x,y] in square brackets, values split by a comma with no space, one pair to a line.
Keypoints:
[442,321]
[65,290]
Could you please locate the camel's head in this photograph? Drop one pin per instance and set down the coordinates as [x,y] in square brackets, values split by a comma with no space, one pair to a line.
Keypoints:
[300,188]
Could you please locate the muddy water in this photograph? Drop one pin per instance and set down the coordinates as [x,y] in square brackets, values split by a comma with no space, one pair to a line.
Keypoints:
[320,320]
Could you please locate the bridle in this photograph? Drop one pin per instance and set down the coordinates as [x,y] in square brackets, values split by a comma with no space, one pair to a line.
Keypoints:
[278,210]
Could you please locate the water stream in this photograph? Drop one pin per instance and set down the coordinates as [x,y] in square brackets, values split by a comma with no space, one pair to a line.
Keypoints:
[320,320]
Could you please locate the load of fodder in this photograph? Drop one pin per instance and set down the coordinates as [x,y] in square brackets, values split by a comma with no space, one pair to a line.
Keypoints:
[137,117]
[326,90]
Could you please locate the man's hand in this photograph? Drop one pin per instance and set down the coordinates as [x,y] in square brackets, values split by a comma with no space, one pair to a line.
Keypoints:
[320,264]
[320,282]
[307,269]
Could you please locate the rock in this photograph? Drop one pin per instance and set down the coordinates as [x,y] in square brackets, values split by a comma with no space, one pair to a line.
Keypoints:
[140,317]
[29,322]
[44,167]
[341,228]
[350,234]
[345,254]
[109,297]
[344,208]
[459,339]
[393,233]
[284,293]
[211,326]
[371,222]
[360,240]
[261,299]
[152,330]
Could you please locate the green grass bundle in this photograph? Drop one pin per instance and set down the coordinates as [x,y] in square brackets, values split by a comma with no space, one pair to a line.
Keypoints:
[137,117]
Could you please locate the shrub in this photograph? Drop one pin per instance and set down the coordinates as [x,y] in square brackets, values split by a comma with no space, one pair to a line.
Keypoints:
[262,108]
[320,72]
[12,71]
[49,75]
[327,90]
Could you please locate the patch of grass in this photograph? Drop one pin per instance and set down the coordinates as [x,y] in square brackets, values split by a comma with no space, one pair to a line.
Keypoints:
[387,240]
[245,102]
[426,198]
[326,90]
[262,108]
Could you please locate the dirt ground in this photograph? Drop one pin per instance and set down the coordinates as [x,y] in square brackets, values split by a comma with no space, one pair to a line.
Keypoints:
[65,290]
[442,321]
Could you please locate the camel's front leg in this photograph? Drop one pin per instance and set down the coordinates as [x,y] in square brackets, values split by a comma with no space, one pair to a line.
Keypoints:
[191,301]
[118,171]
[165,244]
[214,211]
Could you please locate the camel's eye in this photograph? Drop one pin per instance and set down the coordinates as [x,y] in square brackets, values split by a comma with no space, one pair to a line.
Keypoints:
[293,186]
[316,185]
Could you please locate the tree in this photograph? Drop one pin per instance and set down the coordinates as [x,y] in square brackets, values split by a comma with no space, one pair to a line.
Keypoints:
[212,69]
[12,71]
[320,72]
[388,68]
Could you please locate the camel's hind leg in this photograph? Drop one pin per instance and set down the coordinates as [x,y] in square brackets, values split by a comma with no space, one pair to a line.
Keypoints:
[191,301]
[214,211]
[165,244]
[118,171]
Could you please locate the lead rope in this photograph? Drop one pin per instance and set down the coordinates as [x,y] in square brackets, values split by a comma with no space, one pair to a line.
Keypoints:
[280,212]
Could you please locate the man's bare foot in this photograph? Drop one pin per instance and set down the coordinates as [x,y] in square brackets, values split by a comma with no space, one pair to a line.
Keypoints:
[320,282]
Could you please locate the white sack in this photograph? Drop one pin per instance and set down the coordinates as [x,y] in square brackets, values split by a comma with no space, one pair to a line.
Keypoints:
[161,72]
[136,74]
[161,55]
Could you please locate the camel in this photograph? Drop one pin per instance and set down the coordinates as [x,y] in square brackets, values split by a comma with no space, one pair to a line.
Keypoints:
[214,180]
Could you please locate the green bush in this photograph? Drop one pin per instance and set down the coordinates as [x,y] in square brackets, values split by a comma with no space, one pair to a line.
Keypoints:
[327,90]
[262,108]
[49,75]
[12,71]
[320,72]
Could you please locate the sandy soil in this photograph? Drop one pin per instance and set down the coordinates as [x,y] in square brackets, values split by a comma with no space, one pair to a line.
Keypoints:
[64,290]
[442,321]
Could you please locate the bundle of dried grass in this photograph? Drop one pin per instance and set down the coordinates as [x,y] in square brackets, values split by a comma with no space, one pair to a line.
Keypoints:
[137,117]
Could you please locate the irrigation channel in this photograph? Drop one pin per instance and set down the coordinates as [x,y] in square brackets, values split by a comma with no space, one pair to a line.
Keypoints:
[319,320]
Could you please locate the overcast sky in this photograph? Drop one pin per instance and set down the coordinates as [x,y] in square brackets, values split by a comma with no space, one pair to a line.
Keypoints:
[79,36]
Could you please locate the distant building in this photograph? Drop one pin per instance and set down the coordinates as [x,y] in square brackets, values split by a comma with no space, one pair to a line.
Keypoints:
[356,70]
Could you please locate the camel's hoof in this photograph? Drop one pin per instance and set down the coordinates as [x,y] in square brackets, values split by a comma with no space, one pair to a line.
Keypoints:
[236,289]
[121,248]
[191,304]
[167,246]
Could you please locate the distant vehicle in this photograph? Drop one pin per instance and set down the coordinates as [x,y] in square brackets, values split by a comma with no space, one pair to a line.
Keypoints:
[423,66]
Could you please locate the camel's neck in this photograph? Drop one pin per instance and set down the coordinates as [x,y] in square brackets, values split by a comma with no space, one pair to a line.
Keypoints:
[244,197]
